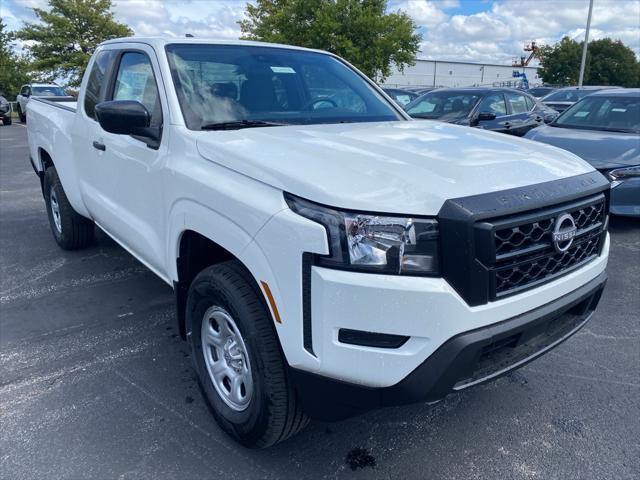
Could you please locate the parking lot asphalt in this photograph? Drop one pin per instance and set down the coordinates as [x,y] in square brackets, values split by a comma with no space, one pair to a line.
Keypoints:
[96,383]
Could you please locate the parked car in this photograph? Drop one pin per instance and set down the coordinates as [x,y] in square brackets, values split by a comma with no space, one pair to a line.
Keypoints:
[604,129]
[36,90]
[539,92]
[5,111]
[503,110]
[563,98]
[401,97]
[326,258]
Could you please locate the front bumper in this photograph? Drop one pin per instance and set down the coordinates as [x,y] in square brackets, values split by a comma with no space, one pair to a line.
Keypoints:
[427,310]
[465,360]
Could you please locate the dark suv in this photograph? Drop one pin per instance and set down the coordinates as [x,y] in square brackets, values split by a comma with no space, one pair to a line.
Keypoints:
[503,110]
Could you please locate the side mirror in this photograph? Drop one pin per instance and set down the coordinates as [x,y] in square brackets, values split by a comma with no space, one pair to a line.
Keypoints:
[127,117]
[124,117]
[486,116]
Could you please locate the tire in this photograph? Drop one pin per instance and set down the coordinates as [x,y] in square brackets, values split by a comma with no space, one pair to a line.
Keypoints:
[23,116]
[272,412]
[71,230]
[6,120]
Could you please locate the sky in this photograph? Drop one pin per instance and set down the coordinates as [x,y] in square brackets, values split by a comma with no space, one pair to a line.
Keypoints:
[492,31]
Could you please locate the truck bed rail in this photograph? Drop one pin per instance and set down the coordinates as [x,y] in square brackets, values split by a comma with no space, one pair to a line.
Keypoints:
[59,102]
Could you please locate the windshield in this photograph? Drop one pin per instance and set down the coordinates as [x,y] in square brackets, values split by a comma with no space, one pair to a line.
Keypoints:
[540,91]
[443,105]
[601,112]
[51,91]
[217,84]
[567,95]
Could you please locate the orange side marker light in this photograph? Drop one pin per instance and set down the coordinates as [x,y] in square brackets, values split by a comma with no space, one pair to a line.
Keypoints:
[272,302]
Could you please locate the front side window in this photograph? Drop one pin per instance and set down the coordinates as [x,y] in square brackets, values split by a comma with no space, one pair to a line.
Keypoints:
[234,83]
[443,105]
[135,81]
[517,103]
[96,81]
[600,112]
[493,103]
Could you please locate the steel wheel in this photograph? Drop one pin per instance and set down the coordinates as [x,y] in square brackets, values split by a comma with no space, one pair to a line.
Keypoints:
[55,211]
[226,358]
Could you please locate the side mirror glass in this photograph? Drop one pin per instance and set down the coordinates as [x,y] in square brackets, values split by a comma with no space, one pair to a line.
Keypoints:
[486,116]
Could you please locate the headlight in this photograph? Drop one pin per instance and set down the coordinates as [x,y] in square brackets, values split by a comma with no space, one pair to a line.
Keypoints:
[624,173]
[388,244]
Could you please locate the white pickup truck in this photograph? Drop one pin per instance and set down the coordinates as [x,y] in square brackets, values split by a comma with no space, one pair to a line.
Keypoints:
[328,254]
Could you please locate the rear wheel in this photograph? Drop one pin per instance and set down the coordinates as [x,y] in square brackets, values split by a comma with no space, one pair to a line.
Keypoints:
[71,230]
[237,357]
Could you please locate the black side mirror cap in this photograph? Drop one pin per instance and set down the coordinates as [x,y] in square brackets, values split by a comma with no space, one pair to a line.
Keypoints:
[127,117]
[486,116]
[123,117]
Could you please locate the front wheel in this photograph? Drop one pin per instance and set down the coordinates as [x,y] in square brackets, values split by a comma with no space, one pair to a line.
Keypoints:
[6,120]
[71,230]
[237,358]
[23,116]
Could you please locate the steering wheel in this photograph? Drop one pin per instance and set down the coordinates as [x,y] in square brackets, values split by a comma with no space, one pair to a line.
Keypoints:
[309,105]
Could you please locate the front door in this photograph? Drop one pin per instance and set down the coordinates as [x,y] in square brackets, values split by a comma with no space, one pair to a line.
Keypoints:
[132,202]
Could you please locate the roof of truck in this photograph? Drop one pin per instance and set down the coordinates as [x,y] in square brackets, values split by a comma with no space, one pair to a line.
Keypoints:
[162,41]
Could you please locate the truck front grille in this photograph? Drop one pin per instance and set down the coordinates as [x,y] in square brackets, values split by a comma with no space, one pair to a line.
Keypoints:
[542,267]
[524,252]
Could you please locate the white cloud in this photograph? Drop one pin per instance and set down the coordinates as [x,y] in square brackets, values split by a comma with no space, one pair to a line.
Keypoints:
[499,33]
[425,14]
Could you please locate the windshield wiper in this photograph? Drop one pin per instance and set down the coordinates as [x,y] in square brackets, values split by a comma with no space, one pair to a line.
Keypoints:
[238,124]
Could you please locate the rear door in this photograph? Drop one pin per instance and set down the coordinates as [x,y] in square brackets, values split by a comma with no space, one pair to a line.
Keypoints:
[494,102]
[520,117]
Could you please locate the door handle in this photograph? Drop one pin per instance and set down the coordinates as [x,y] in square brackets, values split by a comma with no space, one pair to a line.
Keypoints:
[507,124]
[99,146]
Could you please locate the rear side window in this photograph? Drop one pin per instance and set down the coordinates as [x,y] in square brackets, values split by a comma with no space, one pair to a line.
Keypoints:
[530,103]
[96,81]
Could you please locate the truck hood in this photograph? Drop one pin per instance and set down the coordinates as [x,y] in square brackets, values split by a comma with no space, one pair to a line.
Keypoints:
[394,167]
[603,150]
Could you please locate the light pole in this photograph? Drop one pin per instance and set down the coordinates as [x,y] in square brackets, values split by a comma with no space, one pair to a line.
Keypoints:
[584,47]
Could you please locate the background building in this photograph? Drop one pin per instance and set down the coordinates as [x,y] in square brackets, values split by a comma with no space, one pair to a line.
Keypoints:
[441,73]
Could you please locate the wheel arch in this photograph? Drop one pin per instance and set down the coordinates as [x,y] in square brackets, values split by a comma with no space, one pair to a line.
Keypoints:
[197,245]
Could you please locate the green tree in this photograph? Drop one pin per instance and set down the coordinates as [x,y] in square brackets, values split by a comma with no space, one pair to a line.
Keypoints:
[609,62]
[67,34]
[358,30]
[13,68]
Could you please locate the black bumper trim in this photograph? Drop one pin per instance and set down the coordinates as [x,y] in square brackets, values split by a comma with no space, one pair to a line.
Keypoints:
[453,363]
[371,339]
